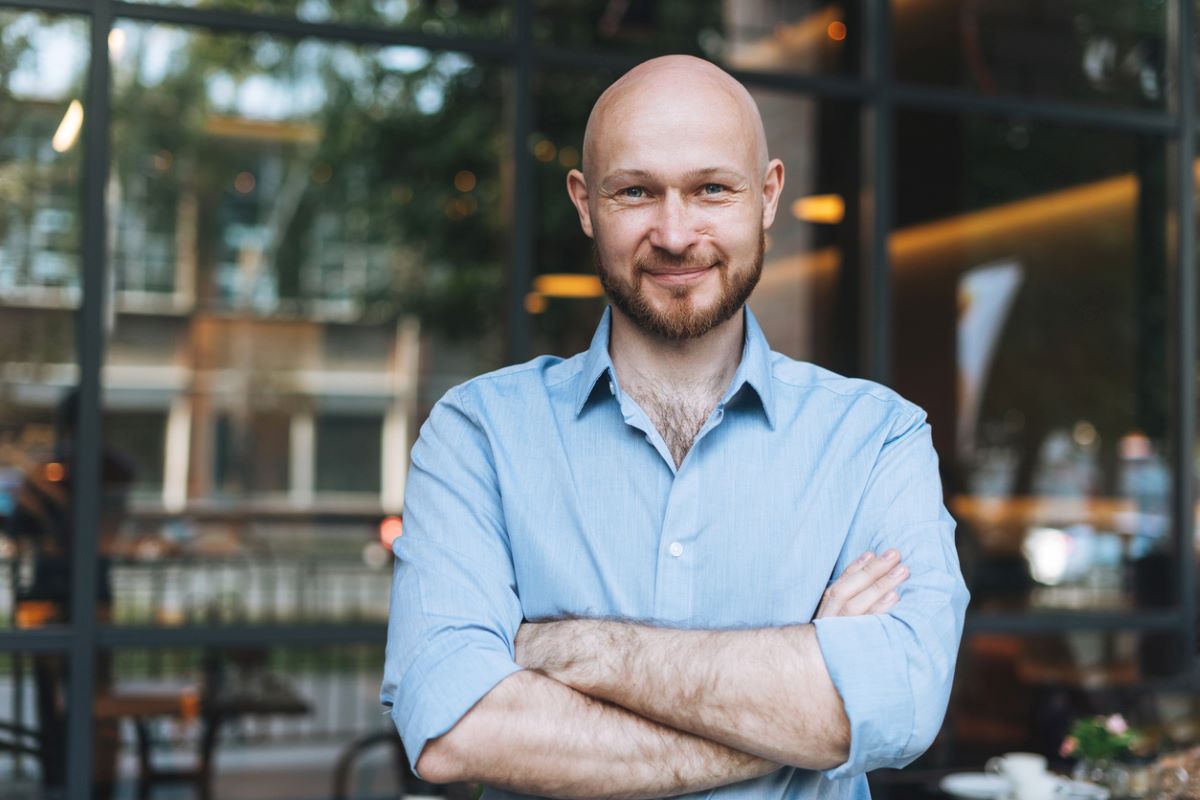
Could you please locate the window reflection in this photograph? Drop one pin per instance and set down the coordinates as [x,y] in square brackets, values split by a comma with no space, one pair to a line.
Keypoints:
[1083,51]
[248,722]
[308,240]
[1022,691]
[434,17]
[42,67]
[1030,319]
[33,758]
[808,36]
[41,88]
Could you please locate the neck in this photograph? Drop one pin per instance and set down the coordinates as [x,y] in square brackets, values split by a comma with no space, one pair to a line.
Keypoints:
[705,364]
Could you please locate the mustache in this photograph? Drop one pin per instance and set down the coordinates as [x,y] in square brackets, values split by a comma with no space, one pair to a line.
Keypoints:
[666,263]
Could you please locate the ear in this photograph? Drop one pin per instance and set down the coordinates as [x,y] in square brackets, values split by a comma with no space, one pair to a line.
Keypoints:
[772,191]
[578,192]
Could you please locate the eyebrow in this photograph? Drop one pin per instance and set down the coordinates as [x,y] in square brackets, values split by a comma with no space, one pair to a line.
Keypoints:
[690,176]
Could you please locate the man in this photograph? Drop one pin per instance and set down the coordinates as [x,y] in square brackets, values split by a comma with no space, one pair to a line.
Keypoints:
[676,499]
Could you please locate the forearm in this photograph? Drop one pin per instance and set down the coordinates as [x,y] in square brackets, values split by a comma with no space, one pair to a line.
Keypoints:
[534,735]
[764,691]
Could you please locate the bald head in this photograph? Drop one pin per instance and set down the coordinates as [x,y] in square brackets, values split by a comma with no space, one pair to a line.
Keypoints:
[673,91]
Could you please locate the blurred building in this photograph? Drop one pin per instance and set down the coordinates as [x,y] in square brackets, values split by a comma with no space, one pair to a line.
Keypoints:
[305,220]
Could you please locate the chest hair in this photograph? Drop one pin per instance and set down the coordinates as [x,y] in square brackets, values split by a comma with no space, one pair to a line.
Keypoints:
[678,415]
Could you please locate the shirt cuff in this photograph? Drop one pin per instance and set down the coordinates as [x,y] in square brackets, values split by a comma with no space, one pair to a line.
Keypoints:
[447,686]
[874,687]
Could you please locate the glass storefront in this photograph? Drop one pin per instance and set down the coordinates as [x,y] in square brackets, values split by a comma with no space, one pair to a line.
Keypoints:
[319,216]
[43,63]
[1030,271]
[1076,51]
[307,239]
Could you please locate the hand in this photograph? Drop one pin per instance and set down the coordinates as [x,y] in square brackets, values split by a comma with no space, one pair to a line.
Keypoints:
[868,586]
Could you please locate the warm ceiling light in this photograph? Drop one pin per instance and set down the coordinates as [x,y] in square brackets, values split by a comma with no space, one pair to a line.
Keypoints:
[535,303]
[68,129]
[545,150]
[464,180]
[828,209]
[836,30]
[116,43]
[568,285]
[568,156]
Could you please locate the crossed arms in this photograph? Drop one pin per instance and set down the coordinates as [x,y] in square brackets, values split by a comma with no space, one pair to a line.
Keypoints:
[679,710]
[588,708]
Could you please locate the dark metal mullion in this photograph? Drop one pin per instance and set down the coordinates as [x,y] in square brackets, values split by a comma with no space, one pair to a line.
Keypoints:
[524,231]
[86,478]
[36,640]
[876,357]
[1058,622]
[150,636]
[617,62]
[68,6]
[927,98]
[222,20]
[1184,395]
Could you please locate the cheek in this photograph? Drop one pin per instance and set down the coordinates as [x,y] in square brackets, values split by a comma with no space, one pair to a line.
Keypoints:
[740,237]
[620,234]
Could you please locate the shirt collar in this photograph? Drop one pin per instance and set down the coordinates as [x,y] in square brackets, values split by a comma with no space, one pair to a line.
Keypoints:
[596,362]
[754,368]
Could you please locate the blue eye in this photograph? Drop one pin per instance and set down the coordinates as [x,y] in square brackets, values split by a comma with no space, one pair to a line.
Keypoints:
[713,188]
[633,191]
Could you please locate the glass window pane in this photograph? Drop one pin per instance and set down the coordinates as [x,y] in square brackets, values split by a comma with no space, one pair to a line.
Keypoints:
[809,36]
[253,722]
[310,240]
[1030,320]
[43,65]
[804,301]
[33,728]
[1023,693]
[441,18]
[1088,51]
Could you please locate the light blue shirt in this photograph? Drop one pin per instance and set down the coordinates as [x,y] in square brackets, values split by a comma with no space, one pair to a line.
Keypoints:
[543,489]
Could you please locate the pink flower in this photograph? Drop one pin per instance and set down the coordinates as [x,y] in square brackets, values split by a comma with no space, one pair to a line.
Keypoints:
[1116,725]
[1068,747]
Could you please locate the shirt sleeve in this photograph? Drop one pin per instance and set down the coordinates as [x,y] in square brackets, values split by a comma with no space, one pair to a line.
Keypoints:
[894,671]
[454,608]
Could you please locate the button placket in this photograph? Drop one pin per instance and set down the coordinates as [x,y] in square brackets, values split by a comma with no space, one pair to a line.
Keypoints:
[676,562]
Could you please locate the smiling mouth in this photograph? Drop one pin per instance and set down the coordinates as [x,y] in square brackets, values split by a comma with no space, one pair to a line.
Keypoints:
[679,276]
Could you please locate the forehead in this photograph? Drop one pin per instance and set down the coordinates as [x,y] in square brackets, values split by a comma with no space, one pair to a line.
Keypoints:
[664,129]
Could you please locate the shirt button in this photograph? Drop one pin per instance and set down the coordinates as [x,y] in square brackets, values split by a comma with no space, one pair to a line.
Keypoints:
[676,549]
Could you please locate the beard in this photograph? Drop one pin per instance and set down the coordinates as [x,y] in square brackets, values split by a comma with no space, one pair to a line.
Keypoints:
[680,320]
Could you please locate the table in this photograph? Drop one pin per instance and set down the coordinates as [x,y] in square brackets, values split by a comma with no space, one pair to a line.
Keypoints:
[264,694]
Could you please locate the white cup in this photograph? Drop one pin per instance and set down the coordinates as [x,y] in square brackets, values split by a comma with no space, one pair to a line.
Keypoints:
[1026,775]
[1035,787]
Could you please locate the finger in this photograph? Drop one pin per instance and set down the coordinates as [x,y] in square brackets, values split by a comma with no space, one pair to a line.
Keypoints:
[833,599]
[858,563]
[864,600]
[850,585]
[830,604]
[885,603]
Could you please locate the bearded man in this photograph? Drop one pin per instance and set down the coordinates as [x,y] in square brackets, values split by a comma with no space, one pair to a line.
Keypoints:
[615,573]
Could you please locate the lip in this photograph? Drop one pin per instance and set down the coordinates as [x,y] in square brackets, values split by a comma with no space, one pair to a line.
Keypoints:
[680,278]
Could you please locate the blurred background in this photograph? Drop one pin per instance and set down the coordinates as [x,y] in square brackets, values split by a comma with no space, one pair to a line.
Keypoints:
[245,245]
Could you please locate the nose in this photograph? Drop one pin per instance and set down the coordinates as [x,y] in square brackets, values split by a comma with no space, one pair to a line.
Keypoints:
[674,228]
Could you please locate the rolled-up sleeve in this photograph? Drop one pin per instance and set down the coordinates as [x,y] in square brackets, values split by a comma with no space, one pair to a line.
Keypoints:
[894,671]
[454,607]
